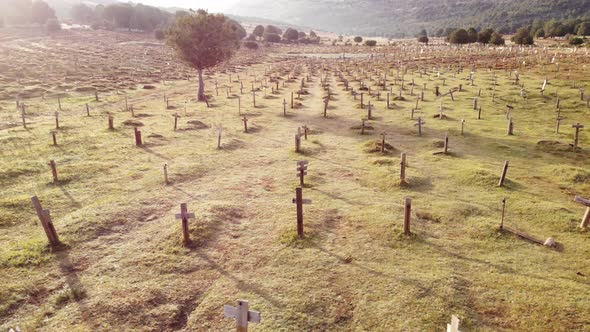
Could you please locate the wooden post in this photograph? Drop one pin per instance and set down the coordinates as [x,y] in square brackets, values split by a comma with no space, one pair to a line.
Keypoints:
[362,104]
[388,100]
[53,170]
[586,218]
[166,173]
[577,127]
[96,96]
[54,137]
[510,127]
[284,107]
[59,103]
[475,103]
[137,137]
[479,113]
[383,143]
[305,129]
[363,126]
[219,138]
[245,120]
[242,315]
[254,98]
[462,126]
[291,99]
[503,175]
[176,121]
[56,120]
[299,201]
[503,213]
[558,120]
[23,113]
[297,143]
[46,222]
[302,170]
[446,146]
[402,174]
[407,215]
[185,216]
[369,109]
[326,101]
[111,122]
[419,124]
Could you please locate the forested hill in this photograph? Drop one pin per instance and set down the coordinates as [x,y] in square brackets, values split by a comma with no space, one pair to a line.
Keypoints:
[400,18]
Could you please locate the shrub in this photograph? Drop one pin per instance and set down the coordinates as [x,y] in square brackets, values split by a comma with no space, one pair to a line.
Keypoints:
[423,39]
[358,39]
[53,25]
[485,35]
[576,41]
[459,37]
[540,33]
[291,34]
[497,39]
[252,45]
[272,38]
[159,34]
[523,37]
[370,42]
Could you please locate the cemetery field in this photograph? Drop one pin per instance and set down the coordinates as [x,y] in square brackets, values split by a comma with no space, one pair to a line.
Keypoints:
[121,263]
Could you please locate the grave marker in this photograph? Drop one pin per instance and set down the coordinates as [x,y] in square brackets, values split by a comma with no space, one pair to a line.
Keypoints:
[577,127]
[302,170]
[586,219]
[300,201]
[242,315]
[185,216]
[407,215]
[46,222]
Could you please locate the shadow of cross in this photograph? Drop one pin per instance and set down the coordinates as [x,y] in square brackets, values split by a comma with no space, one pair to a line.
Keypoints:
[185,216]
[242,315]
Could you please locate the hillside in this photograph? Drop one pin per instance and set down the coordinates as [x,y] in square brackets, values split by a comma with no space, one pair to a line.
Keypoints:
[404,17]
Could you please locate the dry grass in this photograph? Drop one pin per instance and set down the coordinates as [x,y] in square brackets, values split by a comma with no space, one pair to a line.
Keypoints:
[124,268]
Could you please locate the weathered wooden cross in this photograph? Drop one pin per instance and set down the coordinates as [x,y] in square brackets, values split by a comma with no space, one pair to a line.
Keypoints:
[586,219]
[577,126]
[241,314]
[302,170]
[185,216]
[419,124]
[300,201]
[245,120]
[46,222]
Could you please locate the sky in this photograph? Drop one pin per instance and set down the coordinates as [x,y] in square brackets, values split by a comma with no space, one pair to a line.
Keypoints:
[211,5]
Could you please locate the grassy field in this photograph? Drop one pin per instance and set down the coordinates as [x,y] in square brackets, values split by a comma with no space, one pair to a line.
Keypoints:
[123,265]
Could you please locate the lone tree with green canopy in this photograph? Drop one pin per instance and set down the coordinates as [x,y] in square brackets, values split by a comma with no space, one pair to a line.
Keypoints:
[203,40]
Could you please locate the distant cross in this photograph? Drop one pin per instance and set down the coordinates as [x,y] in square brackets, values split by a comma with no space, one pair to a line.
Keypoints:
[284,106]
[302,170]
[242,315]
[185,216]
[577,126]
[419,125]
[245,120]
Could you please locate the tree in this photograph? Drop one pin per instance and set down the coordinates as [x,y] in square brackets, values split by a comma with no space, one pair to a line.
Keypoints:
[540,34]
[485,35]
[302,35]
[273,29]
[53,25]
[459,37]
[240,31]
[203,40]
[291,34]
[497,39]
[523,37]
[119,14]
[41,12]
[272,38]
[82,13]
[423,37]
[251,45]
[583,29]
[554,28]
[312,34]
[358,39]
[472,35]
[258,31]
[370,42]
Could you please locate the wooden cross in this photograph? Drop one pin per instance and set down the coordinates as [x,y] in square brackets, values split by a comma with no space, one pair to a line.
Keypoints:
[53,170]
[185,216]
[454,326]
[419,124]
[46,222]
[586,219]
[382,142]
[241,314]
[558,119]
[254,98]
[245,120]
[285,107]
[305,130]
[300,201]
[577,126]
[302,170]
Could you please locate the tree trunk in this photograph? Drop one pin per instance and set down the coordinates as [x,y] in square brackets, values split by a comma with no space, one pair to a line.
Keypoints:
[201,86]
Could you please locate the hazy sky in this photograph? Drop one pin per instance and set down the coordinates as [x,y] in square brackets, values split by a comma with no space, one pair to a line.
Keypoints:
[211,5]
